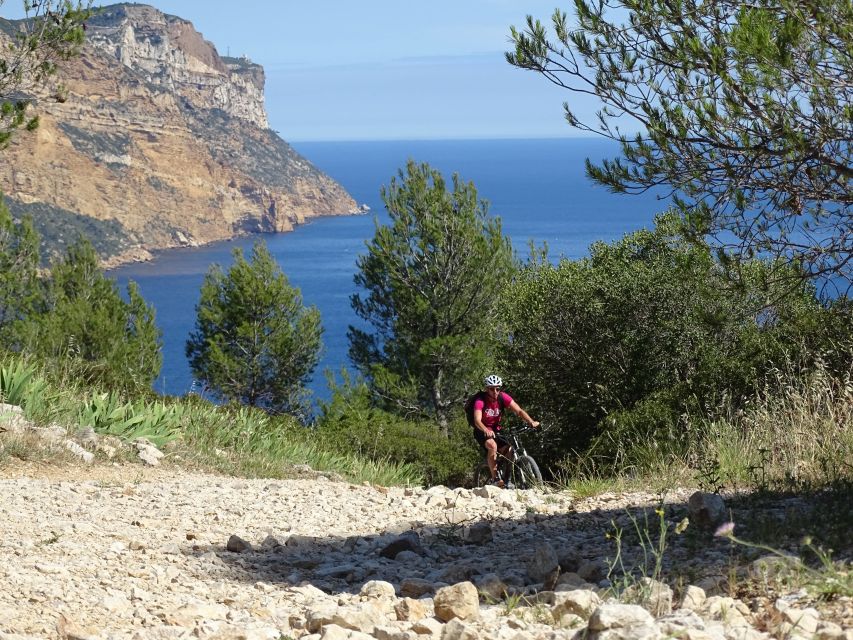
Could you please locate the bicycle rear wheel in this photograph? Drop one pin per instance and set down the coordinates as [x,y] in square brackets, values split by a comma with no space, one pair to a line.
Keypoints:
[525,473]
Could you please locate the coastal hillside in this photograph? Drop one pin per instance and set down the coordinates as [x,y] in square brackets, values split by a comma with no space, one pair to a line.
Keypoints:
[150,140]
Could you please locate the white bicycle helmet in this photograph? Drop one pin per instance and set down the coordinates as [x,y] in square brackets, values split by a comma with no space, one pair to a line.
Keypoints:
[493,381]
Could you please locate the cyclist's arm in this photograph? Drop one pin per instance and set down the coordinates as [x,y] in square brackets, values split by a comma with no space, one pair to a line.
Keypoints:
[521,413]
[478,422]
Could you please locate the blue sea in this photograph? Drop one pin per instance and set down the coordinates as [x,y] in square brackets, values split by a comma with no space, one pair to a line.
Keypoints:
[537,187]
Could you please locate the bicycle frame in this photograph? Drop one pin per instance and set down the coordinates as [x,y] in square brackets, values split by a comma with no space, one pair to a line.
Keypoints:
[517,466]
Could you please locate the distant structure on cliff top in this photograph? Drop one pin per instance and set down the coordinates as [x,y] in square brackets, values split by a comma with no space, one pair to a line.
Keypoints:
[161,142]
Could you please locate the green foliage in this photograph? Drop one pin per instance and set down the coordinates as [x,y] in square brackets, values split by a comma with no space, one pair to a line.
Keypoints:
[85,321]
[52,32]
[350,422]
[254,341]
[432,279]
[744,110]
[614,348]
[631,584]
[796,434]
[110,414]
[21,385]
[232,439]
[247,441]
[784,572]
[19,287]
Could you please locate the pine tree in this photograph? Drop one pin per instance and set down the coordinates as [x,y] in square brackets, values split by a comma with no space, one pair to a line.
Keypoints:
[85,320]
[254,340]
[19,285]
[30,49]
[433,279]
[743,111]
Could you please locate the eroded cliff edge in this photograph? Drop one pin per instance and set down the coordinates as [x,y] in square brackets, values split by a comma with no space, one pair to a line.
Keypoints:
[160,142]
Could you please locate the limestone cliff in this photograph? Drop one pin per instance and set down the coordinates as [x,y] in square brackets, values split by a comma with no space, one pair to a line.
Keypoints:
[159,142]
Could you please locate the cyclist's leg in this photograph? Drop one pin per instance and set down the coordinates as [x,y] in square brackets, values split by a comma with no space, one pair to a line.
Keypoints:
[492,456]
[503,458]
[504,447]
[491,448]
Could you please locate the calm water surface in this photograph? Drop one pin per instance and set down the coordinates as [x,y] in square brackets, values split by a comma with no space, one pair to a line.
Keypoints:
[537,187]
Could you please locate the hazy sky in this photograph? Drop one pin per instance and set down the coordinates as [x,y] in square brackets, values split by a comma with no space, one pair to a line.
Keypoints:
[384,69]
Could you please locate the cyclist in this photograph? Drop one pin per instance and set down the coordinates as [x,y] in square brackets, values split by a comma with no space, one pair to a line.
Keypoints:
[488,411]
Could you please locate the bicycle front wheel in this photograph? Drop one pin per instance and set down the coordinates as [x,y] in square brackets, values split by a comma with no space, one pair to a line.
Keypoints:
[482,475]
[525,473]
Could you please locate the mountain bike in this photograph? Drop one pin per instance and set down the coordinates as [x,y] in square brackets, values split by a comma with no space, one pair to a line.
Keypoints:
[518,469]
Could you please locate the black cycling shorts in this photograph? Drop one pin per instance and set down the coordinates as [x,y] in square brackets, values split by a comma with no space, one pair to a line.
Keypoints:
[480,437]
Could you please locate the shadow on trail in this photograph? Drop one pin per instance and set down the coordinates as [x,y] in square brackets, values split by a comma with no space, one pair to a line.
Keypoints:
[419,557]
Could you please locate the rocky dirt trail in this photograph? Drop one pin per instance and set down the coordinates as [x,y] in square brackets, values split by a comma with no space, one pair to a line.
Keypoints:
[129,551]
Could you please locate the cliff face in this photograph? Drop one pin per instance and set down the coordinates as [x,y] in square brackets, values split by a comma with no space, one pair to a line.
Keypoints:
[160,142]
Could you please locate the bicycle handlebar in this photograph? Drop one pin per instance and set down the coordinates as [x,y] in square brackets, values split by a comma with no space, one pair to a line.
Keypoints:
[521,430]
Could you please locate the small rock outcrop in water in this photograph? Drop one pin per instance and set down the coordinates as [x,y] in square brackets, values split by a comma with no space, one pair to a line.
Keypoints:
[160,142]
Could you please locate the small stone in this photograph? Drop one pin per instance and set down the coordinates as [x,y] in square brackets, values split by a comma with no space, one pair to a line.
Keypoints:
[409,541]
[610,616]
[359,618]
[579,602]
[569,561]
[236,544]
[428,627]
[149,455]
[771,567]
[478,533]
[653,595]
[489,491]
[406,557]
[491,586]
[544,564]
[728,610]
[393,633]
[706,510]
[593,570]
[336,632]
[458,630]
[410,610]
[569,581]
[692,598]
[70,630]
[86,456]
[377,589]
[415,587]
[457,601]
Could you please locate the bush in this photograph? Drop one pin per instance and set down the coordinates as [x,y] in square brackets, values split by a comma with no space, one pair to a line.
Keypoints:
[85,325]
[614,348]
[349,422]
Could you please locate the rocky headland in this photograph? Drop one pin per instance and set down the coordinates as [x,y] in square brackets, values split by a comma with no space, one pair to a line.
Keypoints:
[157,141]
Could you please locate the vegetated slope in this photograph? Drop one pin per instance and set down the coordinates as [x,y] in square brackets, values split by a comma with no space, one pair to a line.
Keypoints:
[158,141]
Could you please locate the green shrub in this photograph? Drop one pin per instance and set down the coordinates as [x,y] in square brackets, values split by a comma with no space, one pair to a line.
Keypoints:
[350,423]
[84,325]
[614,348]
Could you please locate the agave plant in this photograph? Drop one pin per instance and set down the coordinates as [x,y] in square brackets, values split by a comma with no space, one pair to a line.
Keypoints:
[109,414]
[20,385]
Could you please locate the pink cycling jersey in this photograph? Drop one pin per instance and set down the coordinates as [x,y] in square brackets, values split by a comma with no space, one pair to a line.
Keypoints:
[492,409]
